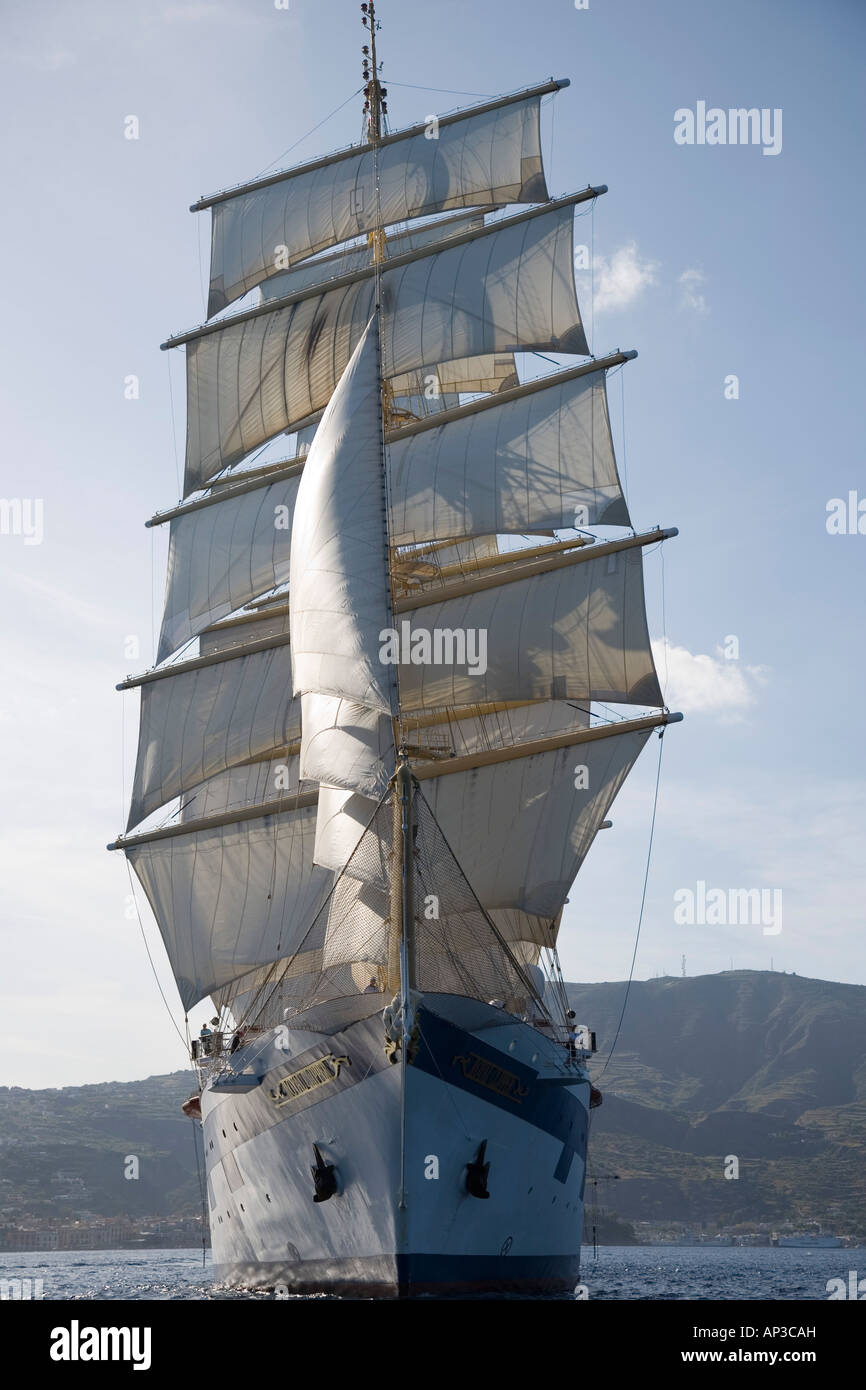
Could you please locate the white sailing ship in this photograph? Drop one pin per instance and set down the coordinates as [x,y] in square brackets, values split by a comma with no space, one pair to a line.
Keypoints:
[400,679]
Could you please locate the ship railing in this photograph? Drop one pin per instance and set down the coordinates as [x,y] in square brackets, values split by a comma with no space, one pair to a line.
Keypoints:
[213,1051]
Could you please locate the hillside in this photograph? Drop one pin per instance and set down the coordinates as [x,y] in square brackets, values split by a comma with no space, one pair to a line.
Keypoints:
[64,1151]
[766,1066]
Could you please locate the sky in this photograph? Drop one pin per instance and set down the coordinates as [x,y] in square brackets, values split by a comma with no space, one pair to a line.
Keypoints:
[714,261]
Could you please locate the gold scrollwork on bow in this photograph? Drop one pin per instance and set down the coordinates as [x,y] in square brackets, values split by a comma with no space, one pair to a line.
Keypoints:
[298,1083]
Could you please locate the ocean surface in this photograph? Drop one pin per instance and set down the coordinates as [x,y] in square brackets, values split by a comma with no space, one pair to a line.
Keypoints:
[619,1273]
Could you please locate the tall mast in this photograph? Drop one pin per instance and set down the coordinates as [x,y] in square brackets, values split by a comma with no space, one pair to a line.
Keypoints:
[375,105]
[401,937]
[401,837]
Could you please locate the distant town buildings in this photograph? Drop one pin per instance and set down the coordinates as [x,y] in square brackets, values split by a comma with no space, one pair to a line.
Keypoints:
[174,1232]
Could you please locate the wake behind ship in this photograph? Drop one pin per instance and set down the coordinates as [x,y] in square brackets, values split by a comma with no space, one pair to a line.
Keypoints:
[393,703]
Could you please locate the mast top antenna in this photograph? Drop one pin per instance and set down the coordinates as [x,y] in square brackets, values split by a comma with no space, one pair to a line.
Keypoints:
[375,104]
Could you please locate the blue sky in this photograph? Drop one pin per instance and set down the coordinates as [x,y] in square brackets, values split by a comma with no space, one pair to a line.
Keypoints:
[710,260]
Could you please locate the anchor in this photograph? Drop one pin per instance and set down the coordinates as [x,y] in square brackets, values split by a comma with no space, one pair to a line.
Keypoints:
[476,1173]
[324,1178]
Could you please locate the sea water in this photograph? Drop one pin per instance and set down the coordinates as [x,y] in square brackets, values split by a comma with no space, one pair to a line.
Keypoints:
[618,1273]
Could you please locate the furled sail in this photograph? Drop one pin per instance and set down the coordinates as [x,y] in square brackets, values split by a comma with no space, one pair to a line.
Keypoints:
[482,157]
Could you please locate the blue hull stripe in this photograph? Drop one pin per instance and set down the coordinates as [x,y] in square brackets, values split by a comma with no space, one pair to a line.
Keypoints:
[462,1060]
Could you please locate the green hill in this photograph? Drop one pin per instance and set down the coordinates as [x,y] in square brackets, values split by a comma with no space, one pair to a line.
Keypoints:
[768,1067]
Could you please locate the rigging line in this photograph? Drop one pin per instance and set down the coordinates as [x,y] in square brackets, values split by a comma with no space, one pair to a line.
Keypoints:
[642,904]
[449,91]
[545,358]
[593,714]
[150,958]
[324,121]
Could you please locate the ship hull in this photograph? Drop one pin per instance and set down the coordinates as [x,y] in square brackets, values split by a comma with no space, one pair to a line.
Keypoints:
[402,1221]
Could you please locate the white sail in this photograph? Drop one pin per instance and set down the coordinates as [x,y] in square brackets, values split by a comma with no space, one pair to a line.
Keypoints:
[520,828]
[544,458]
[490,372]
[323,268]
[250,784]
[196,723]
[343,815]
[222,555]
[232,897]
[339,564]
[483,158]
[347,743]
[265,371]
[541,458]
[578,632]
[250,626]
[523,828]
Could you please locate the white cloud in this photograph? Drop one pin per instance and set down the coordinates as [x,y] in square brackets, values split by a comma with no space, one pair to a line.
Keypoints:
[691,294]
[699,683]
[621,278]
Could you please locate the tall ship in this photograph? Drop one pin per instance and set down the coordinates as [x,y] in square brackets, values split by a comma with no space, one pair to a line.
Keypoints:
[403,670]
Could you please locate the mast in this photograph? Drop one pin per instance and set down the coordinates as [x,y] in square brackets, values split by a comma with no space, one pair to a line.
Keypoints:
[401,848]
[401,939]
[375,106]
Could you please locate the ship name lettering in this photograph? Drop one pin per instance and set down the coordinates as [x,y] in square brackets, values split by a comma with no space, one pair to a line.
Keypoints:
[486,1073]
